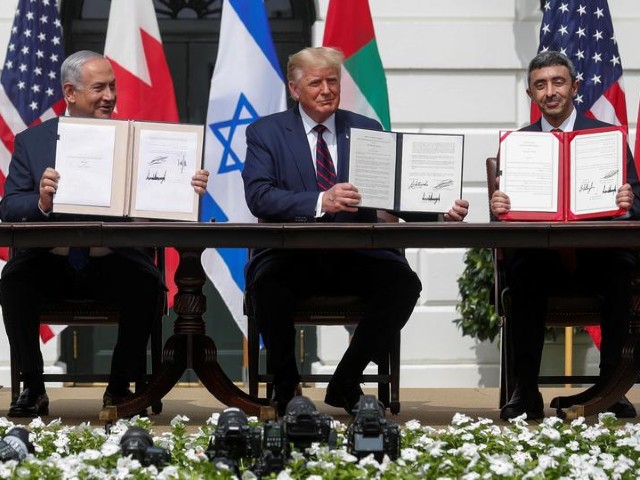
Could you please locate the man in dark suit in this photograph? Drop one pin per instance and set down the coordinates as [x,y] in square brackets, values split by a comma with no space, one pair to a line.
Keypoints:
[533,274]
[32,277]
[296,170]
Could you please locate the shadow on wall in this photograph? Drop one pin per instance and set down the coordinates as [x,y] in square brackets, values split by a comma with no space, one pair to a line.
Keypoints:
[488,363]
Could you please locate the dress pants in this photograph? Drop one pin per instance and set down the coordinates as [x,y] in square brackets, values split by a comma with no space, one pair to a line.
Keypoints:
[533,275]
[279,280]
[36,280]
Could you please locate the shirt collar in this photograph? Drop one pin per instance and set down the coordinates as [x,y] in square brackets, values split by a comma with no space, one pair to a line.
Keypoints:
[310,123]
[566,126]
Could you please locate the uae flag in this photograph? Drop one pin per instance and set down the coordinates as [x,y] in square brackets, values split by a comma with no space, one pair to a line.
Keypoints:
[349,28]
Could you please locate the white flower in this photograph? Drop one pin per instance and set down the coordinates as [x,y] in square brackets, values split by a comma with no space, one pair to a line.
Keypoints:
[179,419]
[409,454]
[413,425]
[546,461]
[285,475]
[460,419]
[500,465]
[520,458]
[110,448]
[369,460]
[213,419]
[168,472]
[573,445]
[550,433]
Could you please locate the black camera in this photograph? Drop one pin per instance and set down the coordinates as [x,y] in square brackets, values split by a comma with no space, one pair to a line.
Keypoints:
[371,433]
[304,425]
[137,443]
[234,439]
[15,445]
[274,448]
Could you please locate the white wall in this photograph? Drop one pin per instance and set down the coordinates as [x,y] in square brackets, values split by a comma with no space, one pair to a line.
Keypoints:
[456,66]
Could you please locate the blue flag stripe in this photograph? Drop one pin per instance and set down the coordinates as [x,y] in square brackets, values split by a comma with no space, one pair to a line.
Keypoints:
[257,24]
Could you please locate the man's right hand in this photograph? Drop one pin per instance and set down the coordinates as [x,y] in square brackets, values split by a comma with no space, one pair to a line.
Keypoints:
[342,197]
[48,188]
[500,203]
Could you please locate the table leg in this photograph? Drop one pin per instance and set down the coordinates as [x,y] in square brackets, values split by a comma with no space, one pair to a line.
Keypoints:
[606,391]
[190,347]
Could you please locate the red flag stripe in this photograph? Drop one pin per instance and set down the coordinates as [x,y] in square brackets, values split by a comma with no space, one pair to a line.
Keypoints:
[339,31]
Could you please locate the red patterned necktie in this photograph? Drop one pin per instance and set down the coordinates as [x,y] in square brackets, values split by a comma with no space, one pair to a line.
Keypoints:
[325,170]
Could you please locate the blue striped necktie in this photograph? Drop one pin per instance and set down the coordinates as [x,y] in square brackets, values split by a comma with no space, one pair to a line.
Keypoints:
[325,170]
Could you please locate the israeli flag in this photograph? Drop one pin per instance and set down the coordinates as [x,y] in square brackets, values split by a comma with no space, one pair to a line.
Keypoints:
[247,84]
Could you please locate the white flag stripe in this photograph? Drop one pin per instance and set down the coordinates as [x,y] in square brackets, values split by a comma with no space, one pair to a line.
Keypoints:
[124,43]
[244,87]
[10,114]
[351,97]
[604,110]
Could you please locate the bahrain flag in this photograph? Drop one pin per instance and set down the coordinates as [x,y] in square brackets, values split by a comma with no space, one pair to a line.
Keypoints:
[143,81]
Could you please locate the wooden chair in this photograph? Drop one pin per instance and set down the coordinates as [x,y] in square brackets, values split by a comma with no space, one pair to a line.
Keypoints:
[566,310]
[76,312]
[319,310]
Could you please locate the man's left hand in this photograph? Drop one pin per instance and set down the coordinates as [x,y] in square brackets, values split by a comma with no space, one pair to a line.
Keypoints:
[624,198]
[199,181]
[458,211]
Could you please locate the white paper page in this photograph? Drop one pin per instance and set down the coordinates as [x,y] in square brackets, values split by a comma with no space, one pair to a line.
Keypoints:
[431,172]
[84,159]
[529,171]
[372,167]
[596,171]
[166,162]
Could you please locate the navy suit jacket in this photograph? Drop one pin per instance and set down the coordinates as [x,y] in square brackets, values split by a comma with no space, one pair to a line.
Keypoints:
[34,151]
[279,175]
[585,123]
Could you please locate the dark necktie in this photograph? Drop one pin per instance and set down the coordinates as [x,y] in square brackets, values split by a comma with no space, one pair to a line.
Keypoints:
[325,170]
[79,257]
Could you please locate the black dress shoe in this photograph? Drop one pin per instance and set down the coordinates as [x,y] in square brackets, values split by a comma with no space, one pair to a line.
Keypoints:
[113,399]
[524,400]
[29,405]
[623,408]
[343,394]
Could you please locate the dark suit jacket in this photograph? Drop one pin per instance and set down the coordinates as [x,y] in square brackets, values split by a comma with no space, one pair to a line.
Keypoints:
[279,176]
[34,151]
[585,123]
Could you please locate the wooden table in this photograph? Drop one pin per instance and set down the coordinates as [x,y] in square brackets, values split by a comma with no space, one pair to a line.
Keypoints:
[190,347]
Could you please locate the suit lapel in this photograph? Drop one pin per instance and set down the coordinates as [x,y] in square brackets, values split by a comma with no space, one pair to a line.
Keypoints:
[342,138]
[299,147]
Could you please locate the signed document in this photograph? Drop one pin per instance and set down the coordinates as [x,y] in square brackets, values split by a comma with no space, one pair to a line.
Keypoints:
[406,172]
[127,168]
[563,175]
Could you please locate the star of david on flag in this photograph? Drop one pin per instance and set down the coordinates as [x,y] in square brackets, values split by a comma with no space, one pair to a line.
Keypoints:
[225,132]
[246,84]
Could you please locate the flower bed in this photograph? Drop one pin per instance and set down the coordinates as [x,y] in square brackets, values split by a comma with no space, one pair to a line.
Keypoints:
[468,449]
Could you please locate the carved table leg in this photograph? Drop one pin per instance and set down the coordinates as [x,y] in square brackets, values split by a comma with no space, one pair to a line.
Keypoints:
[607,391]
[189,347]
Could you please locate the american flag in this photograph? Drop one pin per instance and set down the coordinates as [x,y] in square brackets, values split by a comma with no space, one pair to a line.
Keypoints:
[583,31]
[30,90]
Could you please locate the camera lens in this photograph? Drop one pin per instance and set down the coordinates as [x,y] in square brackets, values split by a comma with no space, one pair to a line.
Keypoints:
[232,418]
[300,404]
[135,442]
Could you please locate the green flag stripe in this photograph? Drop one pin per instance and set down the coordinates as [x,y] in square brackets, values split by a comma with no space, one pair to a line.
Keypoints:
[367,71]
